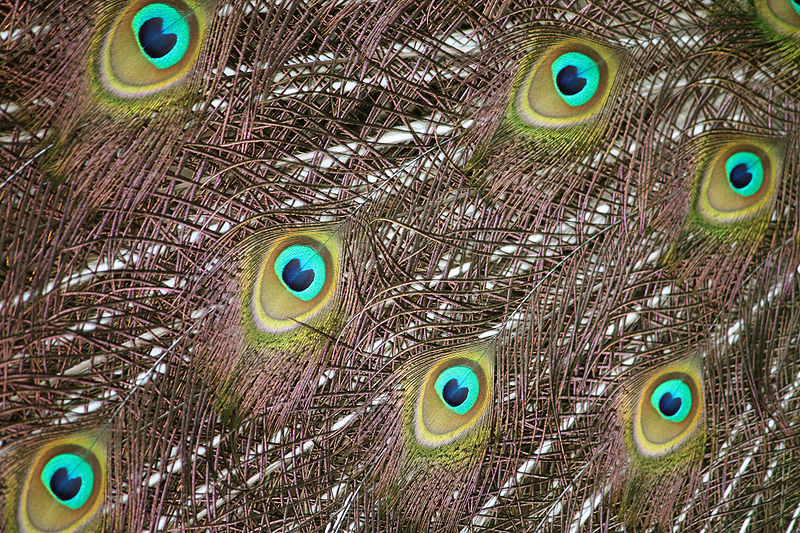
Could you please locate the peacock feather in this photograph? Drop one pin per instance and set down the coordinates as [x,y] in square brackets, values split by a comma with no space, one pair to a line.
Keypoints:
[399,266]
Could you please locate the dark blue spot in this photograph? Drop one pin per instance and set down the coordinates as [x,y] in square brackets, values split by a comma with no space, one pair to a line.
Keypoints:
[569,82]
[63,486]
[296,279]
[154,41]
[669,404]
[453,394]
[740,176]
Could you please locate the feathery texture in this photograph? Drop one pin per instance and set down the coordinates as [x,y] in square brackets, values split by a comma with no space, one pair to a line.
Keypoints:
[396,266]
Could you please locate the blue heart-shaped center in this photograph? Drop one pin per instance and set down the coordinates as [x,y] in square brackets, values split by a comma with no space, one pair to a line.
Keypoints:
[669,404]
[154,41]
[63,486]
[740,176]
[453,394]
[295,278]
[569,82]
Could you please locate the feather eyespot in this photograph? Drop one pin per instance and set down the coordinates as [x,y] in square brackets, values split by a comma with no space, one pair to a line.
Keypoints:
[575,77]
[293,279]
[162,34]
[458,387]
[745,173]
[453,397]
[63,486]
[150,47]
[738,179]
[666,409]
[566,85]
[781,16]
[301,270]
[662,434]
[69,479]
[672,400]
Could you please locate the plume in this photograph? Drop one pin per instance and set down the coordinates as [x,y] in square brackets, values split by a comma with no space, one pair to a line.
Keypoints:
[399,266]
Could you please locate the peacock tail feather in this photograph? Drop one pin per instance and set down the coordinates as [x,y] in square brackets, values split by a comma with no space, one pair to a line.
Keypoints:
[399,266]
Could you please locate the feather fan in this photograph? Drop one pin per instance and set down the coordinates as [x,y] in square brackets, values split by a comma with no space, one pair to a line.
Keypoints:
[399,266]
